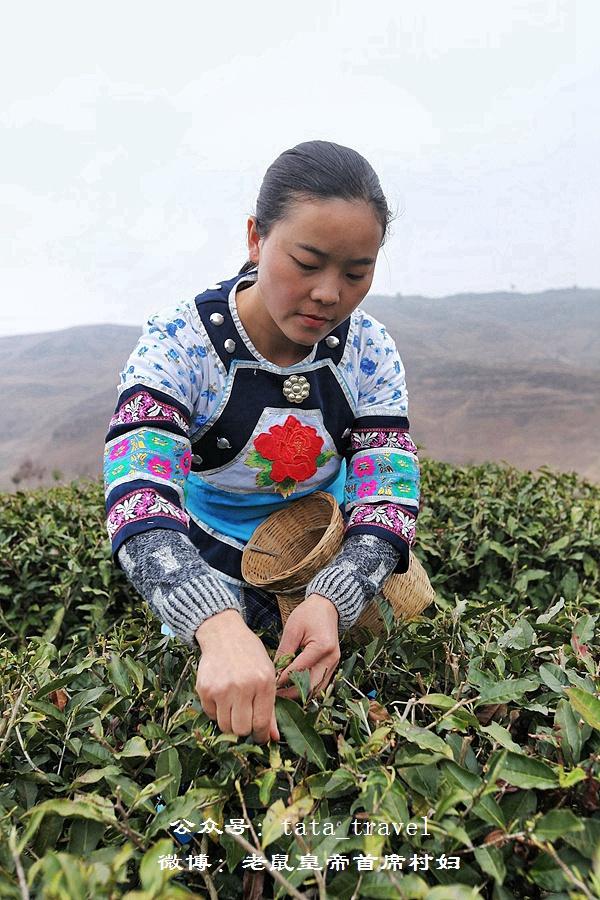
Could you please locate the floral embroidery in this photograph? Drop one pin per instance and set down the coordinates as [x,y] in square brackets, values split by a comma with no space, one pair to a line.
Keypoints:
[363,467]
[120,449]
[147,453]
[117,470]
[395,476]
[158,440]
[140,505]
[160,467]
[366,488]
[143,407]
[286,455]
[383,437]
[186,462]
[385,515]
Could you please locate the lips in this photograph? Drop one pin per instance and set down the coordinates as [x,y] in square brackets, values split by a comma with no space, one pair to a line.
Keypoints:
[316,318]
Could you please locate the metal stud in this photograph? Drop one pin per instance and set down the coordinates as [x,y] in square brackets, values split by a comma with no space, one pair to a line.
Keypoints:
[229,345]
[197,460]
[214,287]
[296,388]
[223,444]
[332,341]
[217,318]
[346,433]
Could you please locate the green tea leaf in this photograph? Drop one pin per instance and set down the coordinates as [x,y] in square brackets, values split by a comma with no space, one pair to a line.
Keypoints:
[266,786]
[491,862]
[525,772]
[569,732]
[168,763]
[557,823]
[118,675]
[519,637]
[280,818]
[584,628]
[551,676]
[586,705]
[509,689]
[300,735]
[301,679]
[501,735]
[553,611]
[423,738]
[135,746]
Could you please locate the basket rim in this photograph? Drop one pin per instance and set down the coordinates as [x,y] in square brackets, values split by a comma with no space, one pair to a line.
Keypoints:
[334,527]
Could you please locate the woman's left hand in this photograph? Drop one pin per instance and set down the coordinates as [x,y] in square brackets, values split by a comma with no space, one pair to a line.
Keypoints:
[312,625]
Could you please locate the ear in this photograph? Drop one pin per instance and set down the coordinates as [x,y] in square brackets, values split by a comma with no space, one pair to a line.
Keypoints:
[253,240]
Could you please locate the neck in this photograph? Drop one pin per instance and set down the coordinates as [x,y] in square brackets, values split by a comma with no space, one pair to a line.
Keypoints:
[281,352]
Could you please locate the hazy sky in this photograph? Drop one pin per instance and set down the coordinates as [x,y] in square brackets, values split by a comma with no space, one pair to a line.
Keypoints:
[134,137]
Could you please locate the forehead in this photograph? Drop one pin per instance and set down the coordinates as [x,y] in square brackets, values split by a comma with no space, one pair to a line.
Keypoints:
[344,228]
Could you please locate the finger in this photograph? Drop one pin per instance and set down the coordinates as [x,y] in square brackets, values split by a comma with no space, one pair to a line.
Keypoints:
[290,640]
[311,655]
[274,729]
[241,719]
[290,693]
[208,705]
[263,713]
[322,682]
[224,718]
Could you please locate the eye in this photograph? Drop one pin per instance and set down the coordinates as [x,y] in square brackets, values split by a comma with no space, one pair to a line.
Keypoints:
[355,277]
[304,265]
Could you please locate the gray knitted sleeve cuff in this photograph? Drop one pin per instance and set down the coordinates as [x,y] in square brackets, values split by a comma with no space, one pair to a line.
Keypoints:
[355,576]
[178,585]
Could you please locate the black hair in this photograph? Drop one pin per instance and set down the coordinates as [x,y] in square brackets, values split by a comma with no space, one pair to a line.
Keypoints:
[321,170]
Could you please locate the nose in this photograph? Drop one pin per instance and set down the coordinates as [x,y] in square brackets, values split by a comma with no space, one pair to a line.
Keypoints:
[326,292]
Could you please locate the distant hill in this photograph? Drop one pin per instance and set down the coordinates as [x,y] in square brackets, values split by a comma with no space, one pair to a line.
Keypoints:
[500,376]
[58,392]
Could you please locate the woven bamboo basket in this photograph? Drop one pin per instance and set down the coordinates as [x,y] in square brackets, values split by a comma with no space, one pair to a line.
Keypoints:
[295,543]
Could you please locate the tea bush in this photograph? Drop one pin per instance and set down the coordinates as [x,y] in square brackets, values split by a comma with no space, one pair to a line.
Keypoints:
[479,722]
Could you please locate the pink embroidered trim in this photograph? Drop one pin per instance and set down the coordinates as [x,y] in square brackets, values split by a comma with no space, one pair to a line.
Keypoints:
[142,504]
[382,437]
[385,515]
[143,407]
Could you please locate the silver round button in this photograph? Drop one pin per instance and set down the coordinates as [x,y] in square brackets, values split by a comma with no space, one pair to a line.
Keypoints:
[229,345]
[217,318]
[332,341]
[346,433]
[296,388]
[223,444]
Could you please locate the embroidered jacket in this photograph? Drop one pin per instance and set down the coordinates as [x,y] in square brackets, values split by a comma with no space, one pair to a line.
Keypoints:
[209,437]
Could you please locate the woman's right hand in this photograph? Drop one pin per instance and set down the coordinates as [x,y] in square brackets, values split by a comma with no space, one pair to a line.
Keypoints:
[236,677]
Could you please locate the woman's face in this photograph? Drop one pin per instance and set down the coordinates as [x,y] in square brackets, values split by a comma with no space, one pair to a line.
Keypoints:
[314,268]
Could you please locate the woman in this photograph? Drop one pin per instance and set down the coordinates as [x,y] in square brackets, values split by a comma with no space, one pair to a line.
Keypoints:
[254,394]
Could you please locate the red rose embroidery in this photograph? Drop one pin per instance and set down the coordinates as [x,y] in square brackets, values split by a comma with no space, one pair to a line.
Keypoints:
[293,449]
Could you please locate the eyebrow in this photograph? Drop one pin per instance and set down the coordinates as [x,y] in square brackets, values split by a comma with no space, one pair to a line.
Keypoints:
[363,261]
